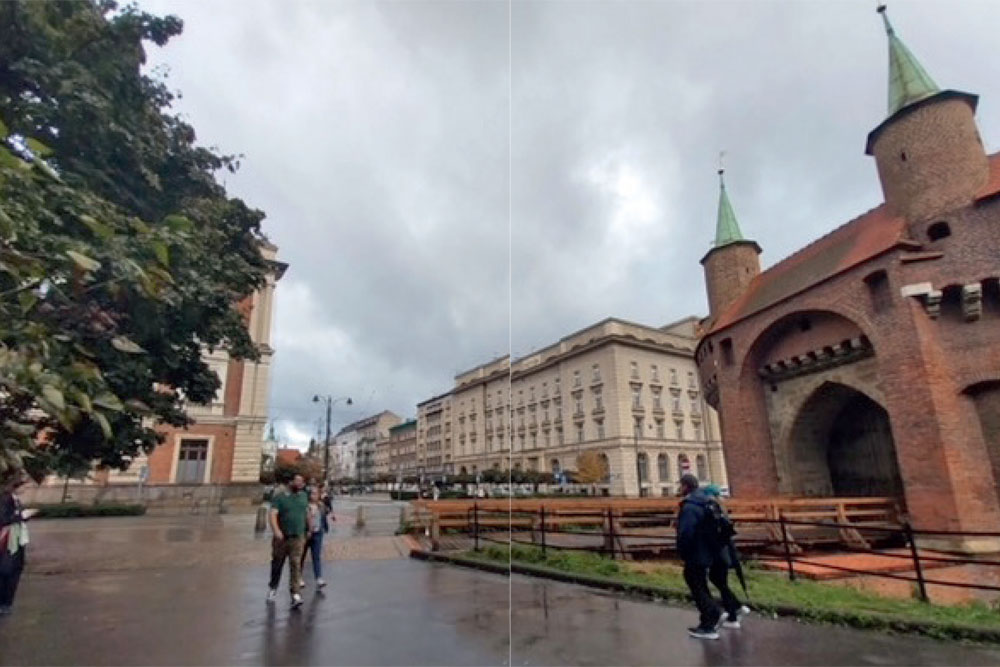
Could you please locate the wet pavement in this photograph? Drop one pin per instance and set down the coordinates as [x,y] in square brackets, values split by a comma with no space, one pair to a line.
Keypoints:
[375,612]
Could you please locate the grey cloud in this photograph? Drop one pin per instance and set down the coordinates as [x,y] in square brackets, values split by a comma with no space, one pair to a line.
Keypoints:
[376,138]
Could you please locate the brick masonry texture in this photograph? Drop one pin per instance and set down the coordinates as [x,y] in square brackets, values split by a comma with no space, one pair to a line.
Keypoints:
[935,372]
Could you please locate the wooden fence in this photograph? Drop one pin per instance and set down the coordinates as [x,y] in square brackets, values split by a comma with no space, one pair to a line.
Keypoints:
[632,519]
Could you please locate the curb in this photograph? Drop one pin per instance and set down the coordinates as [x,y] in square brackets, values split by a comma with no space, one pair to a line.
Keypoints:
[869,621]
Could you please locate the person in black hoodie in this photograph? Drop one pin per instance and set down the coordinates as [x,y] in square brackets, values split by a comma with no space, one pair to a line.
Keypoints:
[702,550]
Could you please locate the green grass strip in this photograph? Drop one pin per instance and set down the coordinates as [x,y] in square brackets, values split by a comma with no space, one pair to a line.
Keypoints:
[770,593]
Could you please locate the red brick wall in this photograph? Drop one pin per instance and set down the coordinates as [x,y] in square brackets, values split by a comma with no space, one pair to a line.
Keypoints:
[924,364]
[728,270]
[162,459]
[810,331]
[931,159]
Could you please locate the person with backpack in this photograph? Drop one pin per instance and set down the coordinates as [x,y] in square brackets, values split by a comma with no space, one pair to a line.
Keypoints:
[704,537]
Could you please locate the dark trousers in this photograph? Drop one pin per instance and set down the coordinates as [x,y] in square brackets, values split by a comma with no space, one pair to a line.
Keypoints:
[289,548]
[11,568]
[314,546]
[697,578]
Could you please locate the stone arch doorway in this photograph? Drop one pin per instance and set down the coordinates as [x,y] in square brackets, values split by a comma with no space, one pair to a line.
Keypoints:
[841,445]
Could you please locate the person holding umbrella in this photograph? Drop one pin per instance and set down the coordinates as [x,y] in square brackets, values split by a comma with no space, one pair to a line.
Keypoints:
[702,543]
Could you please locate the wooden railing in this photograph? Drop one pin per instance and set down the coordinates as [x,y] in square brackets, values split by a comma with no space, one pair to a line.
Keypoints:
[656,517]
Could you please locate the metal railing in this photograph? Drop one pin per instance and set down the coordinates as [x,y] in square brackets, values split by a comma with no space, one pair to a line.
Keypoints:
[619,533]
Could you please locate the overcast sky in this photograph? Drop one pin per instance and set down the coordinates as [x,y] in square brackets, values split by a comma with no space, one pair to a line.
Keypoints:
[446,177]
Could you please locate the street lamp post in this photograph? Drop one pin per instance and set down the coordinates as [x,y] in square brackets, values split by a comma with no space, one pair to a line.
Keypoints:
[326,441]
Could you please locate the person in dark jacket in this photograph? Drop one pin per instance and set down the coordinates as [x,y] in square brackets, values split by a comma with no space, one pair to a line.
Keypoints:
[13,539]
[704,557]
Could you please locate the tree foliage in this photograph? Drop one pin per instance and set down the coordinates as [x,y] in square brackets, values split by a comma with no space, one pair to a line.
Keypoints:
[112,227]
[592,468]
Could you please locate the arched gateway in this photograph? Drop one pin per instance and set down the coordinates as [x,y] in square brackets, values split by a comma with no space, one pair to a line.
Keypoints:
[841,444]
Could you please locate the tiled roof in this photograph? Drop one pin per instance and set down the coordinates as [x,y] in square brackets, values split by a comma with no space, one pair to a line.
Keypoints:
[859,240]
[287,455]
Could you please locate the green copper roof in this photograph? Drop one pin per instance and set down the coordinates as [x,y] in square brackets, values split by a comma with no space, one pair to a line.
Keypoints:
[909,82]
[727,230]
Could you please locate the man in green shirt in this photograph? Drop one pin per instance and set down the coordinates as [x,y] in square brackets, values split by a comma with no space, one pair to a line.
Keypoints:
[288,522]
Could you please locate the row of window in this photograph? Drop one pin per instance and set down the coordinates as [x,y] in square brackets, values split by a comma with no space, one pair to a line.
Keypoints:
[547,438]
[634,374]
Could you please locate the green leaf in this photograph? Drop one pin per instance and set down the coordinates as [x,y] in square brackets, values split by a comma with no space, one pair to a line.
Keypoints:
[38,148]
[6,226]
[161,252]
[83,401]
[27,300]
[162,275]
[82,261]
[109,401]
[104,424]
[54,396]
[19,428]
[97,228]
[43,166]
[178,223]
[138,405]
[124,344]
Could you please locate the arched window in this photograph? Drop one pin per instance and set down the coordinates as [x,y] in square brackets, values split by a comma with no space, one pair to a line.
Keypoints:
[643,467]
[683,464]
[462,471]
[607,469]
[555,467]
[663,468]
[938,230]
[702,468]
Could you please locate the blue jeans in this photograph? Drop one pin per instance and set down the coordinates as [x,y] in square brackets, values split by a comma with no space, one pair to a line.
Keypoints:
[314,545]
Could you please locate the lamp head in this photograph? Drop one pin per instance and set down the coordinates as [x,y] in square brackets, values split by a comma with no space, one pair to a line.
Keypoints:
[349,401]
[316,399]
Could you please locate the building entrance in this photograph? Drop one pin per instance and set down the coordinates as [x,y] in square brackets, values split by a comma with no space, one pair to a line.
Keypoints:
[841,445]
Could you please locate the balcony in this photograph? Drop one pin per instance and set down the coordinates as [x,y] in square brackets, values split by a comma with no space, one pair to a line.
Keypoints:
[598,410]
[578,415]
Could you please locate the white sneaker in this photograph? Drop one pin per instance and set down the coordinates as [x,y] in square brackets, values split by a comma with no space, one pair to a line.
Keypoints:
[320,583]
[296,601]
[272,594]
[733,621]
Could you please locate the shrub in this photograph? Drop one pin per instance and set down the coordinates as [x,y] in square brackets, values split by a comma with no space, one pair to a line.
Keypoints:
[75,510]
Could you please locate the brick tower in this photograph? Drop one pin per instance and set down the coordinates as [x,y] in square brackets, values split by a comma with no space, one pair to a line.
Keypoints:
[732,262]
[867,363]
[928,152]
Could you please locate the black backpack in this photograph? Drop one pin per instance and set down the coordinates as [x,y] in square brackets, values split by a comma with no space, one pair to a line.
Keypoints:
[721,527]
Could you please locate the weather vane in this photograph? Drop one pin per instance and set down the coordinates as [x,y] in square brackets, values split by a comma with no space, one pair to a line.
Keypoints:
[722,165]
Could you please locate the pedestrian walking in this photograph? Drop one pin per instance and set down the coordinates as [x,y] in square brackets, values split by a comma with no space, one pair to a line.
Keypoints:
[702,544]
[317,526]
[288,518]
[13,539]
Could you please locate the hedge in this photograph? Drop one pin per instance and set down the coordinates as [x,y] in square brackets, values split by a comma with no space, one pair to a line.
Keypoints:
[74,510]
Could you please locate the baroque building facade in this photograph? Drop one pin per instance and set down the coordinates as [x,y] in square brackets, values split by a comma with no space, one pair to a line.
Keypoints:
[357,446]
[868,362]
[625,391]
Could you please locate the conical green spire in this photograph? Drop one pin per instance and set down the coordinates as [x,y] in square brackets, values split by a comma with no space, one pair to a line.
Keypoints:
[727,230]
[909,82]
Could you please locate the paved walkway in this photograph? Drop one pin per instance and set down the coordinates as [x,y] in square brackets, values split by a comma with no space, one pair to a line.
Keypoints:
[159,591]
[402,612]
